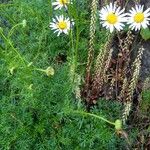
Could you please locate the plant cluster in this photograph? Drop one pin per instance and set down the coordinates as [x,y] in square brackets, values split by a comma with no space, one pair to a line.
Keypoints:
[41,76]
[116,73]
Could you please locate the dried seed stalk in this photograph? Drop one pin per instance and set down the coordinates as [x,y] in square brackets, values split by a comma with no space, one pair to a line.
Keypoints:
[133,83]
[91,41]
[126,111]
[136,72]
[126,50]
[102,61]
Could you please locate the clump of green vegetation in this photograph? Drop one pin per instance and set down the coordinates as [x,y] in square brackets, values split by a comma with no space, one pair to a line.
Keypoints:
[38,70]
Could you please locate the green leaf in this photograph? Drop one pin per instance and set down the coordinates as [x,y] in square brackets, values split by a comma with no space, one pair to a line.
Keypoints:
[145,33]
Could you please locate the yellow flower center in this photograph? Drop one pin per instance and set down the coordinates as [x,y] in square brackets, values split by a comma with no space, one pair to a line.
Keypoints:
[63,2]
[139,17]
[112,18]
[62,25]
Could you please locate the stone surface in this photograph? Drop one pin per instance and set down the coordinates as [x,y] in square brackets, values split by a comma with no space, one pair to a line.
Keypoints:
[145,70]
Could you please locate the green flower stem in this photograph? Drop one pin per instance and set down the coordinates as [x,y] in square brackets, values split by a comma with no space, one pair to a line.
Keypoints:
[15,50]
[38,69]
[25,62]
[92,115]
[72,58]
[77,35]
[12,29]
[6,5]
[77,42]
[74,42]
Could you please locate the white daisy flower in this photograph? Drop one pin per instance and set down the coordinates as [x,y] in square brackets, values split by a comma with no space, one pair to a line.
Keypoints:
[60,3]
[61,25]
[138,18]
[112,17]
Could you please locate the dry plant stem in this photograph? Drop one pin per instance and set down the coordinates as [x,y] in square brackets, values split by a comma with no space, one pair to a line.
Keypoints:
[102,61]
[124,88]
[125,56]
[126,111]
[91,42]
[126,52]
[105,76]
[101,58]
[133,83]
[107,64]
[136,72]
[110,92]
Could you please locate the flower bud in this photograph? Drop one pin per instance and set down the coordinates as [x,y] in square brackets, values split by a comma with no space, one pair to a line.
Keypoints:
[118,124]
[49,71]
[24,23]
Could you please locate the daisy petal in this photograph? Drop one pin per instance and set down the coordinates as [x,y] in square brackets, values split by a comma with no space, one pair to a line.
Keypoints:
[112,17]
